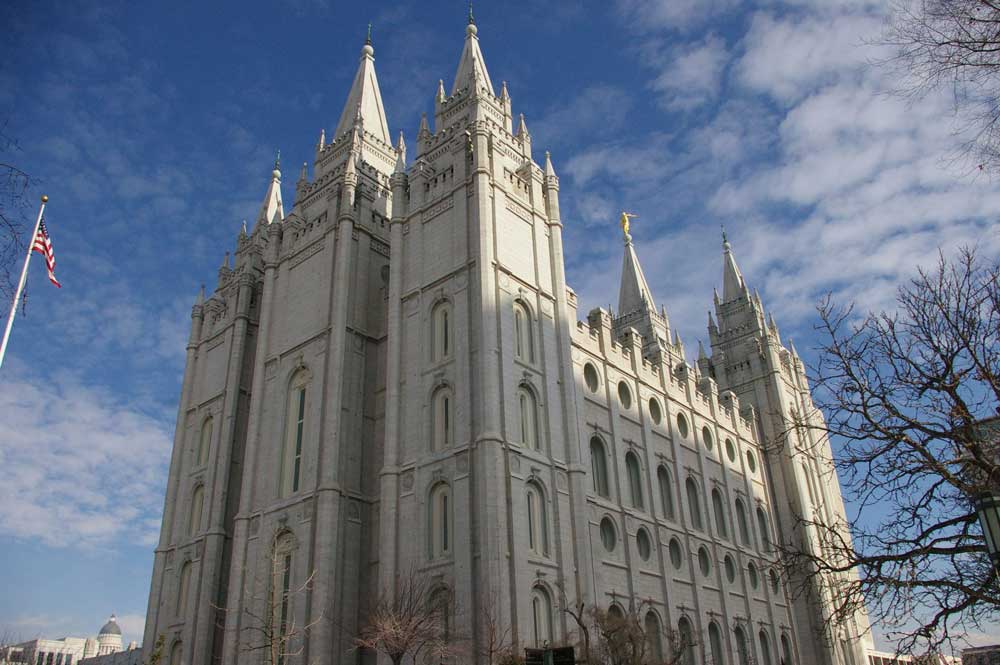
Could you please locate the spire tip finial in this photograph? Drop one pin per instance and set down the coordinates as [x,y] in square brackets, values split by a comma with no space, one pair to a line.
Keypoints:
[368,38]
[624,220]
[725,238]
[472,19]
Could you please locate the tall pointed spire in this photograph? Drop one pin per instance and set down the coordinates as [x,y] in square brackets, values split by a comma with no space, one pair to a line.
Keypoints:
[271,210]
[634,294]
[365,100]
[471,64]
[732,280]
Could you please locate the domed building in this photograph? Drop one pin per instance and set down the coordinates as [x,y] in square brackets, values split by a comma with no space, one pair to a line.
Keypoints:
[109,639]
[105,649]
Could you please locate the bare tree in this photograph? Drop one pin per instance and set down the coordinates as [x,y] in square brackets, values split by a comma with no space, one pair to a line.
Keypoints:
[905,393]
[621,637]
[413,622]
[269,625]
[952,45]
[14,205]
[497,644]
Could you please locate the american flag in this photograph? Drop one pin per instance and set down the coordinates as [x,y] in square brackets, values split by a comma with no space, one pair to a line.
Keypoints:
[43,246]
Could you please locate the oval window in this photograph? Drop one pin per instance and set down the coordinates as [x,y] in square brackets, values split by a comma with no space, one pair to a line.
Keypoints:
[730,569]
[644,544]
[675,553]
[730,450]
[751,462]
[624,395]
[654,411]
[608,536]
[704,563]
[752,575]
[590,377]
[682,425]
[706,436]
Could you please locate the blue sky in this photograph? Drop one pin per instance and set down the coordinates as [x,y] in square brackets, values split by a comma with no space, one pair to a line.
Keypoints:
[153,128]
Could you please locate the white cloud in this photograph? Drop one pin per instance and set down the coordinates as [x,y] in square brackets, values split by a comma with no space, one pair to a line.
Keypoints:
[82,467]
[642,15]
[692,75]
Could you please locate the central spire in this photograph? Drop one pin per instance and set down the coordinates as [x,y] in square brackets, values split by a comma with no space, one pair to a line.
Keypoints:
[365,100]
[733,285]
[471,66]
[634,295]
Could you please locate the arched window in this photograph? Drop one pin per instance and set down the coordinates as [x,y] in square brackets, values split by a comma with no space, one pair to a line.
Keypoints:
[441,333]
[715,644]
[786,650]
[742,648]
[666,492]
[440,606]
[528,411]
[440,521]
[183,589]
[281,586]
[205,442]
[765,648]
[652,627]
[599,467]
[765,536]
[541,616]
[524,342]
[295,432]
[720,513]
[538,520]
[686,635]
[741,522]
[616,612]
[442,419]
[176,653]
[694,504]
[634,480]
[197,507]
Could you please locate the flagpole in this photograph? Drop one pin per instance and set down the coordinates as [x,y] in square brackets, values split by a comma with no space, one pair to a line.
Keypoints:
[20,284]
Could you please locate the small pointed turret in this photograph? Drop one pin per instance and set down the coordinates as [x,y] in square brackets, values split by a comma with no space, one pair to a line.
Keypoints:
[504,95]
[322,139]
[243,230]
[225,262]
[364,102]
[271,210]
[711,322]
[471,66]
[701,351]
[522,128]
[400,154]
[550,172]
[304,174]
[201,296]
[440,93]
[424,127]
[733,285]
[634,294]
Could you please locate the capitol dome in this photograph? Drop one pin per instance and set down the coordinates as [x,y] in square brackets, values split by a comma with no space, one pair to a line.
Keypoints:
[111,627]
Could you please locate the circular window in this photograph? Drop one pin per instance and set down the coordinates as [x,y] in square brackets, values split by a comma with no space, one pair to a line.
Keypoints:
[730,450]
[682,425]
[730,569]
[752,574]
[706,436]
[751,462]
[774,580]
[675,553]
[590,377]
[608,536]
[645,547]
[704,563]
[624,395]
[654,411]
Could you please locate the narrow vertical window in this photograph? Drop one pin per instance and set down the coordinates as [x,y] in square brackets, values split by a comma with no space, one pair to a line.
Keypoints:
[742,648]
[694,504]
[281,588]
[440,607]
[686,635]
[634,480]
[599,467]
[786,651]
[741,522]
[666,492]
[652,629]
[442,419]
[538,521]
[175,654]
[528,411]
[765,648]
[441,334]
[720,513]
[183,589]
[541,616]
[291,459]
[197,506]
[715,644]
[524,343]
[440,516]
[205,442]
[765,536]
[285,574]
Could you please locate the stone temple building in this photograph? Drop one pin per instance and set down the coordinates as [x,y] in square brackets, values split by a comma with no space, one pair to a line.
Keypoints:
[392,379]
